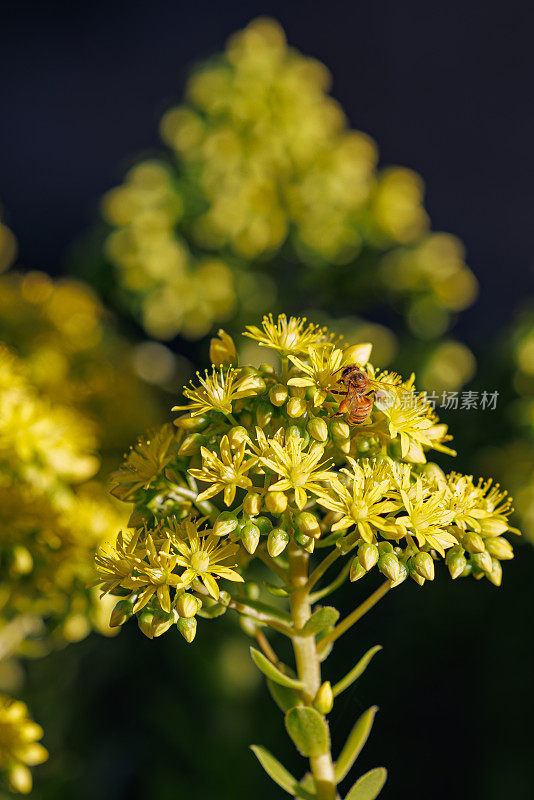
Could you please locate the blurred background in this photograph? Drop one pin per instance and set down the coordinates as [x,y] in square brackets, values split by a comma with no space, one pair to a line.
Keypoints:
[132,180]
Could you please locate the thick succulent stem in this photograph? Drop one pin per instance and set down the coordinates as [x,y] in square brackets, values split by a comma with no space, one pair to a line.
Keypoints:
[309,666]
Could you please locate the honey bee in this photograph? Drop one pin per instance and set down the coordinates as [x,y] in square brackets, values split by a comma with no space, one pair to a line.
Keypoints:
[360,392]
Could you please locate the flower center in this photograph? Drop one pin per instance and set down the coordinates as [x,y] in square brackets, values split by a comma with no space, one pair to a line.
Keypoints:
[200,561]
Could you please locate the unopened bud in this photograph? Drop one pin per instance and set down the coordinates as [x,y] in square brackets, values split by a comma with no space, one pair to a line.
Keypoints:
[252,504]
[385,547]
[307,523]
[495,576]
[278,395]
[300,433]
[416,577]
[188,628]
[324,699]
[121,612]
[264,414]
[424,565]
[236,436]
[277,542]
[473,543]
[389,566]
[499,548]
[304,541]
[356,570]
[187,605]
[254,382]
[264,524]
[456,562]
[192,424]
[481,561]
[145,620]
[358,354]
[368,555]
[296,407]
[250,536]
[225,523]
[343,445]
[403,574]
[493,527]
[340,430]
[276,502]
[192,444]
[222,350]
[318,429]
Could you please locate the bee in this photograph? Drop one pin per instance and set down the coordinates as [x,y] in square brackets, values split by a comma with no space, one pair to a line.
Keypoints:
[360,392]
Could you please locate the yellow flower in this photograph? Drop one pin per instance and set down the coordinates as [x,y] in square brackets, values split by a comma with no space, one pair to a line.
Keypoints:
[218,391]
[287,336]
[144,464]
[480,506]
[202,555]
[115,563]
[155,576]
[222,350]
[428,513]
[324,362]
[225,473]
[364,499]
[19,745]
[299,470]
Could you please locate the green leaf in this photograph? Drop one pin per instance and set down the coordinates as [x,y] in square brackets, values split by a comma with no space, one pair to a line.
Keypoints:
[369,785]
[284,697]
[356,671]
[308,731]
[354,744]
[279,774]
[321,619]
[276,591]
[263,608]
[272,672]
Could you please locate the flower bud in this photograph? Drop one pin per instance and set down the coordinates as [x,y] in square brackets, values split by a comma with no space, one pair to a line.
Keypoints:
[264,414]
[343,446]
[456,562]
[340,430]
[222,350]
[121,612]
[276,502]
[252,504]
[192,424]
[145,620]
[187,605]
[493,527]
[424,565]
[324,699]
[248,626]
[296,407]
[236,436]
[264,524]
[356,570]
[188,628]
[358,354]
[300,433]
[298,391]
[495,576]
[473,543]
[307,542]
[250,536]
[192,444]
[481,561]
[499,548]
[368,555]
[416,577]
[389,566]
[278,395]
[318,429]
[307,523]
[385,547]
[277,542]
[403,574]
[225,523]
[252,381]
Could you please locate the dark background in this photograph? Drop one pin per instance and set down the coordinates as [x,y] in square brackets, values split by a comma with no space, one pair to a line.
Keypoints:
[445,88]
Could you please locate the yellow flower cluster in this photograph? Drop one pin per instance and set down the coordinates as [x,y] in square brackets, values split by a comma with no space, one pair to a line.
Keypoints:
[267,459]
[74,355]
[19,744]
[265,171]
[49,529]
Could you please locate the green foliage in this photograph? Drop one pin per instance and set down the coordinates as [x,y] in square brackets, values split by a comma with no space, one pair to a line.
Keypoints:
[308,731]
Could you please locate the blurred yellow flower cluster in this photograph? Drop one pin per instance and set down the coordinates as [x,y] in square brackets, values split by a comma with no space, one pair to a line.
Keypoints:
[265,175]
[19,744]
[51,519]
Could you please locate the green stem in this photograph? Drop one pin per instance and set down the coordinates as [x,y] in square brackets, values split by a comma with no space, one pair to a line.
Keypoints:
[353,617]
[308,665]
